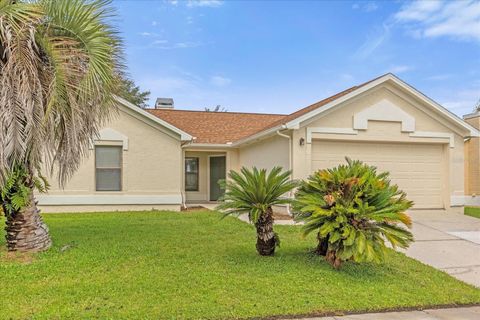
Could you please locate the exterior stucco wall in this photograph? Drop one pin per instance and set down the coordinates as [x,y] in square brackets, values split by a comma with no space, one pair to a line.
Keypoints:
[266,154]
[472,160]
[151,172]
[425,121]
[153,163]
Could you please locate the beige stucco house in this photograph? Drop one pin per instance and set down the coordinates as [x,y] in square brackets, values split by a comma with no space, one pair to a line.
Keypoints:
[165,158]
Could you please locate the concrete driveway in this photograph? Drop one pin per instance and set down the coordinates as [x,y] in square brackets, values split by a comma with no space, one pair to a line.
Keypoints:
[449,242]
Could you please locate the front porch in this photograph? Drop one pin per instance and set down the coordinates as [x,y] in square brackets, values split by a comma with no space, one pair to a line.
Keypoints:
[203,170]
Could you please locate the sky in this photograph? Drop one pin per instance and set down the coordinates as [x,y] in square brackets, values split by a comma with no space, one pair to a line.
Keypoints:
[280,56]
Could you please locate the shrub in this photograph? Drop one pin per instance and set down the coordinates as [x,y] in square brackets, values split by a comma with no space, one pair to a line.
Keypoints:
[354,211]
[254,192]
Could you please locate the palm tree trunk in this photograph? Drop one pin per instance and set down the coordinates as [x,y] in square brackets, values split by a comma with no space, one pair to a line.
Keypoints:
[26,231]
[266,241]
[333,259]
[322,246]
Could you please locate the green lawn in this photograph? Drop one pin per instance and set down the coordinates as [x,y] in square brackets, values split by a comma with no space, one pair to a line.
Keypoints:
[165,265]
[472,211]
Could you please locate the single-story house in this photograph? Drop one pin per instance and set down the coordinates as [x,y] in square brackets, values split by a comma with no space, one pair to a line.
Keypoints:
[165,158]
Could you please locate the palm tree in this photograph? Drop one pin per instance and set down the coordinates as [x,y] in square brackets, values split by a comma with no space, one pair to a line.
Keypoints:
[58,61]
[355,211]
[255,192]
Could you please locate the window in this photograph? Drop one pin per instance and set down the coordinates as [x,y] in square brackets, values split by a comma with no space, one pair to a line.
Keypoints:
[108,168]
[191,174]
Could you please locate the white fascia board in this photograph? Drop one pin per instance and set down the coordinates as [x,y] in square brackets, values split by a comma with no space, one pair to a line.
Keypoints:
[184,136]
[206,145]
[260,135]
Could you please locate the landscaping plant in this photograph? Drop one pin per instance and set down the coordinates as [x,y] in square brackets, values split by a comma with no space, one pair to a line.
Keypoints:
[59,64]
[354,210]
[255,192]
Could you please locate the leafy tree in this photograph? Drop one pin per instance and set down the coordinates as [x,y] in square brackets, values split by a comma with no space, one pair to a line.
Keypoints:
[132,93]
[354,210]
[255,192]
[58,61]
[218,108]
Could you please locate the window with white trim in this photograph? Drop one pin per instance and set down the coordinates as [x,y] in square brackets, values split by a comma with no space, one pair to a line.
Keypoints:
[108,168]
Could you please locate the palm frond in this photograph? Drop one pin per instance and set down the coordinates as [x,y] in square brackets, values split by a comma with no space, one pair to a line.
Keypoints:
[58,63]
[356,209]
[254,191]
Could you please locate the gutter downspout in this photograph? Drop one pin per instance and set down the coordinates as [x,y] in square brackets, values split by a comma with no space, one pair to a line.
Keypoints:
[289,157]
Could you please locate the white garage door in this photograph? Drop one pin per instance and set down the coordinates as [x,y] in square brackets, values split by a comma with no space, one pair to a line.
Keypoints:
[415,168]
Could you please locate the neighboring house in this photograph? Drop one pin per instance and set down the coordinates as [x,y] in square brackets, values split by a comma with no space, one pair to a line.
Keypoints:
[165,158]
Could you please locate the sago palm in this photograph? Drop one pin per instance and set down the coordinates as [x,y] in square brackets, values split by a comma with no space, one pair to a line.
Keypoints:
[255,192]
[58,66]
[354,210]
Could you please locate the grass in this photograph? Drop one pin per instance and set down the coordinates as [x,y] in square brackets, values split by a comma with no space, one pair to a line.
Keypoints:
[166,265]
[472,212]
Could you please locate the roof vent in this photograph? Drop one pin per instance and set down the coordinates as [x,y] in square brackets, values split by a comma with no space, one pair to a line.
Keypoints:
[164,103]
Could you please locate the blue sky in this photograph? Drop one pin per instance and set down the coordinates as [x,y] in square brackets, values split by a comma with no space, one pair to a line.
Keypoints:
[280,56]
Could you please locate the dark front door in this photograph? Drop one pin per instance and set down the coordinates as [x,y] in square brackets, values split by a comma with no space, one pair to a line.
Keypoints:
[218,168]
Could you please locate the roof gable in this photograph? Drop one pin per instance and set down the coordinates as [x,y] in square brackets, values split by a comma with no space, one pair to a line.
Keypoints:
[294,120]
[374,83]
[184,136]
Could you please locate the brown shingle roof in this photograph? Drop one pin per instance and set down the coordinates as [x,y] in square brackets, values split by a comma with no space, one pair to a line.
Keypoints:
[216,127]
[223,127]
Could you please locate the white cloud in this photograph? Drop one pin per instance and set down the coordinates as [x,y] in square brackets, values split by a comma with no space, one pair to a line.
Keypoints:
[188,44]
[463,101]
[220,81]
[400,69]
[366,6]
[456,19]
[204,3]
[164,44]
[418,10]
[166,84]
[439,77]
[154,23]
[147,34]
[160,41]
[373,42]
[347,77]
[370,6]
[189,90]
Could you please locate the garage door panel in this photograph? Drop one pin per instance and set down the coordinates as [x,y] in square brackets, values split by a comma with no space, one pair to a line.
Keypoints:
[416,168]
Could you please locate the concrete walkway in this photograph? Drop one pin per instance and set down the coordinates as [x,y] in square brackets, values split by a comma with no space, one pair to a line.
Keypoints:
[470,313]
[449,242]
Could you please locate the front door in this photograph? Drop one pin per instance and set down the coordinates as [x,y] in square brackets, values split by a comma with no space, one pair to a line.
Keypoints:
[217,172]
